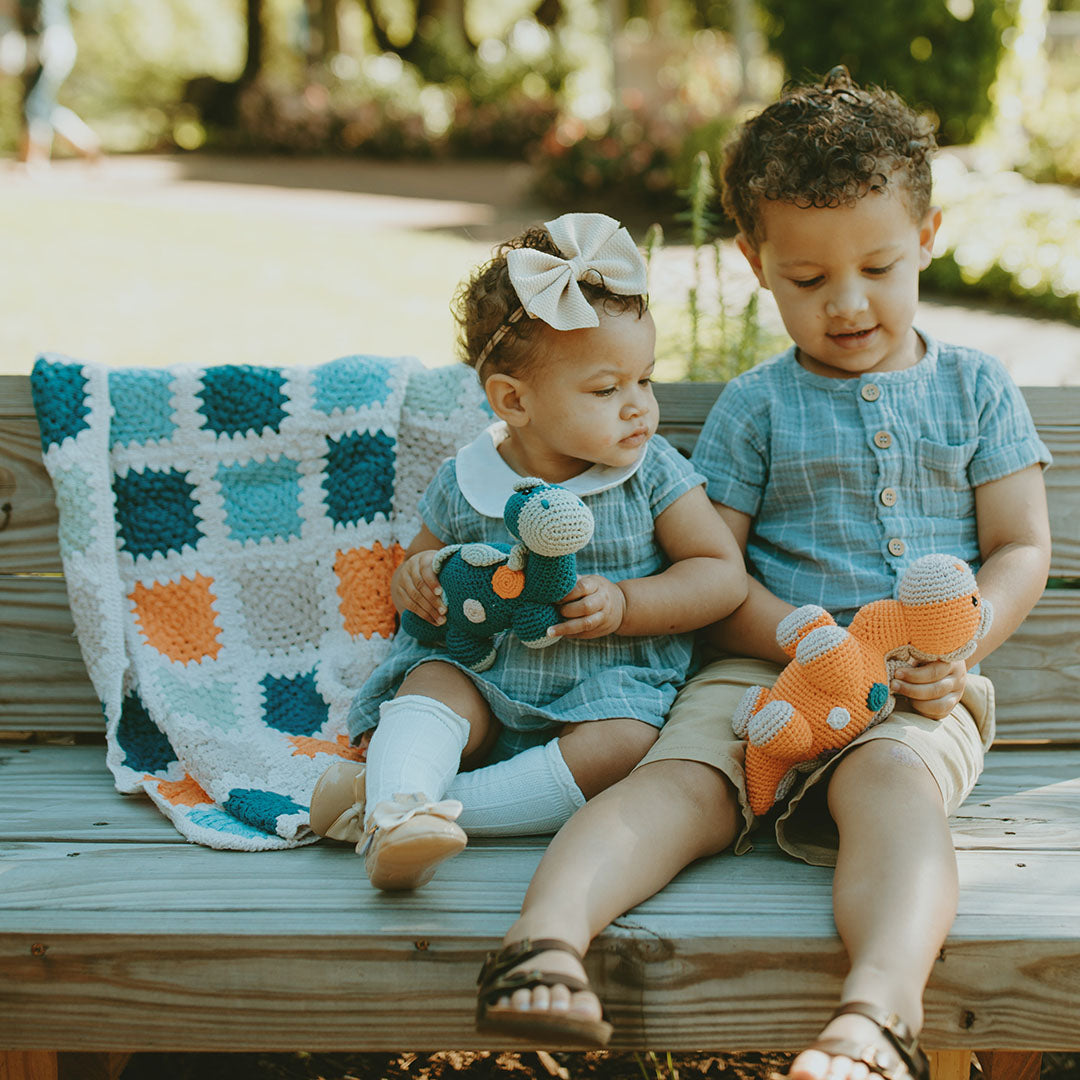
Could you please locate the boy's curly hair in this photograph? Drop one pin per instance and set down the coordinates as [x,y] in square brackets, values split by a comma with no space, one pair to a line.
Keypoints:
[486,302]
[827,144]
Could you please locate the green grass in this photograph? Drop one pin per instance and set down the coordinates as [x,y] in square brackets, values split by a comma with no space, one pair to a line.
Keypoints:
[183,281]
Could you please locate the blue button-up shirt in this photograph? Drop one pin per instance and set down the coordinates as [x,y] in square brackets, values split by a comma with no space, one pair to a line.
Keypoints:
[850,480]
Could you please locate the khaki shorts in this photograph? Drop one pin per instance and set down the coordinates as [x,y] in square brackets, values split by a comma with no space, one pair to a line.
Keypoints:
[698,728]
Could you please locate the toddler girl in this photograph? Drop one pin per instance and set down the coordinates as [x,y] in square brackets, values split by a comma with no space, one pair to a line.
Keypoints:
[557,327]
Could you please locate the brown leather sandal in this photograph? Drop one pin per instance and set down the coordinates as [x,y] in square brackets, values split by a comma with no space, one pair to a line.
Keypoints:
[494,983]
[901,1059]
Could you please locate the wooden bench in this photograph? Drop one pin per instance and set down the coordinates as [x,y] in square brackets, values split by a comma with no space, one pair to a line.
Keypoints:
[116,935]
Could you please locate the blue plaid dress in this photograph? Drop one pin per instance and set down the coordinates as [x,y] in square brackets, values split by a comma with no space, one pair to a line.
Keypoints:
[533,692]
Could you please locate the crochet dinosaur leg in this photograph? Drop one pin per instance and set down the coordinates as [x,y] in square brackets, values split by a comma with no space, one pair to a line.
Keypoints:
[797,624]
[477,654]
[778,736]
[421,629]
[531,622]
[752,700]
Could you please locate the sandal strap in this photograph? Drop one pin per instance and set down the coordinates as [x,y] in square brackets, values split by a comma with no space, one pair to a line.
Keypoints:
[907,1052]
[517,952]
[517,980]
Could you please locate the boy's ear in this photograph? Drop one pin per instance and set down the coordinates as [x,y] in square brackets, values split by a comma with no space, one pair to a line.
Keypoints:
[927,232]
[752,257]
[504,394]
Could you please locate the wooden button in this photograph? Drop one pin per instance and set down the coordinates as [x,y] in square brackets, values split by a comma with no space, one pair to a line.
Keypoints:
[888,497]
[883,440]
[870,392]
[897,546]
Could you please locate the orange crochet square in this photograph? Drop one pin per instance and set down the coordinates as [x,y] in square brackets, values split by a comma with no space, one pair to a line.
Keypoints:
[184,792]
[309,747]
[364,588]
[177,618]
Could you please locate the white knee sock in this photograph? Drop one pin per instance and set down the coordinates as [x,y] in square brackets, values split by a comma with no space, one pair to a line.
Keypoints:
[416,747]
[529,794]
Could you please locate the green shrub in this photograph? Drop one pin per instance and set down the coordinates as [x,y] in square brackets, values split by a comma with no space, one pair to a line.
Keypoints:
[939,55]
[1006,239]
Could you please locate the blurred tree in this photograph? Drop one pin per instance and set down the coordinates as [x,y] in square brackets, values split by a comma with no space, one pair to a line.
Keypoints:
[216,99]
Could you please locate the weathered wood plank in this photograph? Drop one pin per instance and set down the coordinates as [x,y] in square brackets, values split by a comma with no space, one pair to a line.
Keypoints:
[43,683]
[30,539]
[950,1064]
[356,990]
[1028,798]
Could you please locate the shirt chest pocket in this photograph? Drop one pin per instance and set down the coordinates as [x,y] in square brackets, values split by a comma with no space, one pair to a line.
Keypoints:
[943,478]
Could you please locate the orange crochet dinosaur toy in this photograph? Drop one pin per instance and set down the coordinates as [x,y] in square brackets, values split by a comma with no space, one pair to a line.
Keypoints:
[837,683]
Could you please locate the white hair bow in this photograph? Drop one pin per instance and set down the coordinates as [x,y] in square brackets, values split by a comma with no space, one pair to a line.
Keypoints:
[596,249]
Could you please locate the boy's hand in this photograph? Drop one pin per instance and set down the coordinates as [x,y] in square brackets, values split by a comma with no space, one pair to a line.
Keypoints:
[416,588]
[593,608]
[933,687]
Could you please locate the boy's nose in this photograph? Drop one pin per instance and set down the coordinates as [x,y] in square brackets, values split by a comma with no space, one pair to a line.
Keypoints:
[848,299]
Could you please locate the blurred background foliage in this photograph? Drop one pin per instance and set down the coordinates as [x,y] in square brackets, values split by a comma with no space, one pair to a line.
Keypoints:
[612,101]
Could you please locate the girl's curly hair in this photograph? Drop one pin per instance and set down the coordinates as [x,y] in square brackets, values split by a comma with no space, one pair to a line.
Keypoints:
[485,303]
[827,144]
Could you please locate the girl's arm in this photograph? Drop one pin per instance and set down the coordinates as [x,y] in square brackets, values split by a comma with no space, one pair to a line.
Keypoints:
[705,581]
[413,585]
[751,629]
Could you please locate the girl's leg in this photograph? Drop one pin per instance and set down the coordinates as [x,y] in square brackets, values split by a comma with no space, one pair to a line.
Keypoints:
[617,850]
[437,717]
[538,790]
[894,893]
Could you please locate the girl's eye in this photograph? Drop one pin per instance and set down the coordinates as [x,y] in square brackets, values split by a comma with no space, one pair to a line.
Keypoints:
[879,270]
[807,283]
[606,392]
[647,381]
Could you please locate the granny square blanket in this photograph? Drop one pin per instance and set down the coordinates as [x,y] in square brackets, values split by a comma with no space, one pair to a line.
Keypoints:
[228,536]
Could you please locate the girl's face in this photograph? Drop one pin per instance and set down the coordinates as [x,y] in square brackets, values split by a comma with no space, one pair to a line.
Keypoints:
[588,399]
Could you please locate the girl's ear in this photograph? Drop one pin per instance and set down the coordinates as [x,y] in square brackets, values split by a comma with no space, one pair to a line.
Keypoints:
[927,232]
[752,257]
[504,394]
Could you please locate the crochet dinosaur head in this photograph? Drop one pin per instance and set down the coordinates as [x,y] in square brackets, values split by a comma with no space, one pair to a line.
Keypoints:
[547,518]
[945,615]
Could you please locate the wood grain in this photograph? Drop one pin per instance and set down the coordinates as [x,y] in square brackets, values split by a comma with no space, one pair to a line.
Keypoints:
[44,686]
[30,539]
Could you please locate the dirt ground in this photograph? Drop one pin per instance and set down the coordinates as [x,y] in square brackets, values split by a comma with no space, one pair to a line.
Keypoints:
[459,1065]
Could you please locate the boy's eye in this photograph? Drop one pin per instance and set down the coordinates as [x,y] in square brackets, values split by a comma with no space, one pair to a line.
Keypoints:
[878,270]
[807,283]
[647,381]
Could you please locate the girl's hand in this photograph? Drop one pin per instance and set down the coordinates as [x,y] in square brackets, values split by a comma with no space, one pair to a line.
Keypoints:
[416,588]
[933,687]
[593,608]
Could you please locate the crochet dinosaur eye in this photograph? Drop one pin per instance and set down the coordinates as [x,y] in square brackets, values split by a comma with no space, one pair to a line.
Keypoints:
[974,601]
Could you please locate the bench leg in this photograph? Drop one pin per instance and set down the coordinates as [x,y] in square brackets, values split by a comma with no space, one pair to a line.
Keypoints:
[950,1064]
[1010,1064]
[28,1065]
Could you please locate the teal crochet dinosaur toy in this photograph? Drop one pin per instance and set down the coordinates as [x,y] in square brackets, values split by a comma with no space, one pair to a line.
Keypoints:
[489,588]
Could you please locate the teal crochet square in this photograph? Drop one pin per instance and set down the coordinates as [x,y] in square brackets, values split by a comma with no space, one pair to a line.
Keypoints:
[142,407]
[352,382]
[262,499]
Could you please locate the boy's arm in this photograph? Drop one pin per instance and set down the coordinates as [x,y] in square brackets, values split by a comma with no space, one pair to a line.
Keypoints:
[1014,541]
[704,582]
[751,629]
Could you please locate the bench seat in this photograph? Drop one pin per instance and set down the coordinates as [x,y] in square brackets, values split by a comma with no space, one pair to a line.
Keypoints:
[115,932]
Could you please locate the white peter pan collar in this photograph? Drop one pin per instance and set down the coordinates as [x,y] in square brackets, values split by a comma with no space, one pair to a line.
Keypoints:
[487,481]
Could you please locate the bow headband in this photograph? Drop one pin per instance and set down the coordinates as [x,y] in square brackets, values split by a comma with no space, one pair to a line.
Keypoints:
[595,248]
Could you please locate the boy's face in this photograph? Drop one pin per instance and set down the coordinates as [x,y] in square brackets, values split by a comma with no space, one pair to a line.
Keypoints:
[846,279]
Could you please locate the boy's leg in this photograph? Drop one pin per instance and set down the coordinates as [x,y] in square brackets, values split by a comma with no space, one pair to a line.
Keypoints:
[894,893]
[617,850]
